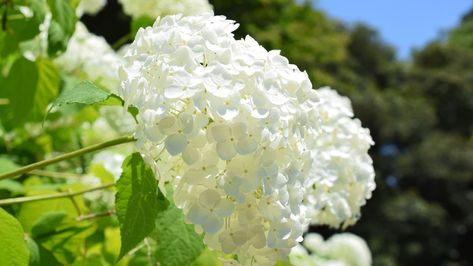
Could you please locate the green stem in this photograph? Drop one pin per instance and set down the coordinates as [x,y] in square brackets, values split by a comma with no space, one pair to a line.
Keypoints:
[67,156]
[95,215]
[124,39]
[55,174]
[52,196]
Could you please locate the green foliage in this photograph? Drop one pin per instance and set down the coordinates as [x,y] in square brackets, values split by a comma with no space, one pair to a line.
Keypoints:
[13,250]
[83,92]
[138,202]
[29,87]
[62,25]
[177,242]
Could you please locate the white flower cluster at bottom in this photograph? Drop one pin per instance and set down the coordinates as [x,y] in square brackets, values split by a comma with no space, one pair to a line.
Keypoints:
[344,249]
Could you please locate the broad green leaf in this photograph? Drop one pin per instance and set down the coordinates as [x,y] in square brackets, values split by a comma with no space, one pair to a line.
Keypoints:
[33,249]
[47,223]
[177,242]
[57,39]
[30,212]
[62,25]
[137,204]
[29,88]
[25,27]
[84,92]
[19,89]
[47,88]
[13,250]
[6,165]
[11,185]
[61,235]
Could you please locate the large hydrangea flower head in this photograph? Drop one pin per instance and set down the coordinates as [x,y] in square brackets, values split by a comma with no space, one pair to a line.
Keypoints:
[235,129]
[155,8]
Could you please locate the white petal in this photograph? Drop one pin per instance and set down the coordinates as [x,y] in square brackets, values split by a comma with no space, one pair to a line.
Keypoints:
[212,224]
[246,146]
[239,130]
[224,208]
[175,143]
[196,214]
[221,132]
[187,122]
[173,91]
[209,198]
[190,155]
[168,125]
[226,150]
[228,246]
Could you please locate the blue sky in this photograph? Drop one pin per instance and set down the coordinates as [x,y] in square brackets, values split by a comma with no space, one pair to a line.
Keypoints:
[402,23]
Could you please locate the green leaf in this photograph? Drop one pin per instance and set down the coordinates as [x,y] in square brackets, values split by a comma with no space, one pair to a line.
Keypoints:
[13,250]
[30,212]
[6,165]
[20,88]
[47,87]
[177,242]
[29,88]
[137,203]
[60,235]
[47,223]
[57,39]
[33,248]
[84,92]
[24,28]
[62,25]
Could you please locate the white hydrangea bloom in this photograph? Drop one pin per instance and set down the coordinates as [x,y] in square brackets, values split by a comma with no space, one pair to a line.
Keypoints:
[90,7]
[155,8]
[236,130]
[90,57]
[343,249]
[344,170]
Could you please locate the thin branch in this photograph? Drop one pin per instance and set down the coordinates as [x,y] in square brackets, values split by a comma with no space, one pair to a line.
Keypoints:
[95,215]
[52,196]
[55,174]
[96,147]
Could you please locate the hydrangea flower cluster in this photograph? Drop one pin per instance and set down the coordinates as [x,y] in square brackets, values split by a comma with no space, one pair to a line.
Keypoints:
[344,249]
[236,129]
[155,8]
[343,172]
[90,57]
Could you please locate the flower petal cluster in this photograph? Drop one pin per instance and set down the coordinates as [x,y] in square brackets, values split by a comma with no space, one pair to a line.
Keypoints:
[236,130]
[343,171]
[90,57]
[155,8]
[343,249]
